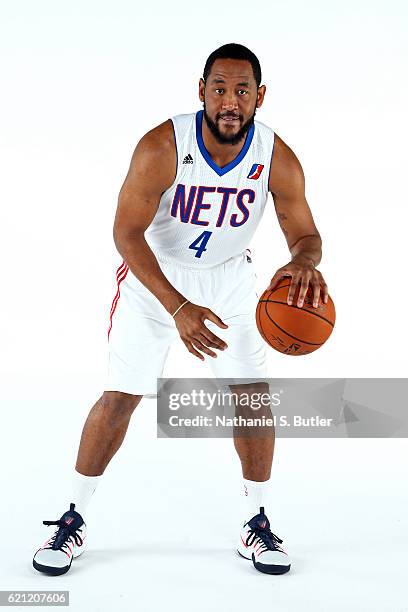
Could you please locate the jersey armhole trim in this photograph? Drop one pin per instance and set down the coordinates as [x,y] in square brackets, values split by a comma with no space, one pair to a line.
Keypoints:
[270,164]
[175,144]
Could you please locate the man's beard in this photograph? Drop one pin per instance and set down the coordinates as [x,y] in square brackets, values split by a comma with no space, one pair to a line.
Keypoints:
[234,138]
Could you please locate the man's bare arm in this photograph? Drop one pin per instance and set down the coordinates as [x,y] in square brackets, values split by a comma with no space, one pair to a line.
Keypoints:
[139,199]
[138,202]
[287,184]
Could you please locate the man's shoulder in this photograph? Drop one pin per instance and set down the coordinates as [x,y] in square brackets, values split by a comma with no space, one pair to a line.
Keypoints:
[159,139]
[285,168]
[155,153]
[162,138]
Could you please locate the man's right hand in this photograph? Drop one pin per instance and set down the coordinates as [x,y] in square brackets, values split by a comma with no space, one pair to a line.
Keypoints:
[195,334]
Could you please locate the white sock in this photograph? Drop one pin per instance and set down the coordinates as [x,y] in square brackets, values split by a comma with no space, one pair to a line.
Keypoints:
[83,488]
[256,496]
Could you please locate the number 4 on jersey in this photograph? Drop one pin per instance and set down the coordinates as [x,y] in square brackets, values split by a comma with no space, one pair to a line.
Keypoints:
[200,243]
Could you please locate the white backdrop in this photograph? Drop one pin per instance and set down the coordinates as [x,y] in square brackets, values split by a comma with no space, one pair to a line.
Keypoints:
[82,82]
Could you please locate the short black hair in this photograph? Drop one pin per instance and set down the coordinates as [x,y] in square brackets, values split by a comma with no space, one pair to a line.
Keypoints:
[234,51]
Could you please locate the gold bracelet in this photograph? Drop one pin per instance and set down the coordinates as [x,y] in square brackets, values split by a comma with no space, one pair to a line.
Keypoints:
[183,304]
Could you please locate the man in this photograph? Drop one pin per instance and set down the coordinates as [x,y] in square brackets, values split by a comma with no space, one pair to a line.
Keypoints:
[194,194]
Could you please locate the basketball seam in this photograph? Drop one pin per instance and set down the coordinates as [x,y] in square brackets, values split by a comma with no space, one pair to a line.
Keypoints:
[288,334]
[308,311]
[276,288]
[258,315]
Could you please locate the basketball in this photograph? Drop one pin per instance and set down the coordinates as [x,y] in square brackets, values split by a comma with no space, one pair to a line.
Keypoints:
[289,329]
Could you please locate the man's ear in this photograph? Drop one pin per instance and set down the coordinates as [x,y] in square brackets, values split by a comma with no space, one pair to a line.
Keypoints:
[260,96]
[201,89]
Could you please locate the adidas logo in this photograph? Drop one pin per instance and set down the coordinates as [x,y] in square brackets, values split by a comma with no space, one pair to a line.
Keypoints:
[188,159]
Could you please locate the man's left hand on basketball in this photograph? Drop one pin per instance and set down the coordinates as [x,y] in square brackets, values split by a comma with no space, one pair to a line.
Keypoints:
[302,272]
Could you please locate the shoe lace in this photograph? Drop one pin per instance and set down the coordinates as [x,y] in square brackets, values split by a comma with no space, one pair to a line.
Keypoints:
[60,539]
[269,540]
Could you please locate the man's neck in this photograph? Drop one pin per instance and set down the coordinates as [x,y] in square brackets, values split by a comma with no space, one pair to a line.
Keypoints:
[221,154]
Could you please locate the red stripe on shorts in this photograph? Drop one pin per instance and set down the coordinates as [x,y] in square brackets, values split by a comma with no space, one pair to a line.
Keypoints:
[120,276]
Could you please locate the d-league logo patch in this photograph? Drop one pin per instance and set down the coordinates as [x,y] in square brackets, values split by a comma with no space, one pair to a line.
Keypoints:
[255,171]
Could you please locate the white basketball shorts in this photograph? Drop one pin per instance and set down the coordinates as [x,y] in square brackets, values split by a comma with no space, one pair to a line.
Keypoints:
[141,330]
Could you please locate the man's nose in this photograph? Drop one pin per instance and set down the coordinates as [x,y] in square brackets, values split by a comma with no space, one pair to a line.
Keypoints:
[229,101]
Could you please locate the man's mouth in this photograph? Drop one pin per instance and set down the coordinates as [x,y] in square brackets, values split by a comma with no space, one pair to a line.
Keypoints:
[230,118]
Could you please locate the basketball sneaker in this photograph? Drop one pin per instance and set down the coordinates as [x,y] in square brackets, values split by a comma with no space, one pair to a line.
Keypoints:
[55,556]
[257,542]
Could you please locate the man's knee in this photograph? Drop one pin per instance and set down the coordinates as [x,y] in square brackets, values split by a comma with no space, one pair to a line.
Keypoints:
[119,402]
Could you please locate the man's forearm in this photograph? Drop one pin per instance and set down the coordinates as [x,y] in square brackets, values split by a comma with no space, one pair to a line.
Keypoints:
[144,265]
[307,248]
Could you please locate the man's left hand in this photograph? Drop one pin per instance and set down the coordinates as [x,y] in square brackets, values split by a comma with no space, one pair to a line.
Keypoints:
[303,272]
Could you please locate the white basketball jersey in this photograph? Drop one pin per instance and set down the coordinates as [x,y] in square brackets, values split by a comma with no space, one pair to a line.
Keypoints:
[210,214]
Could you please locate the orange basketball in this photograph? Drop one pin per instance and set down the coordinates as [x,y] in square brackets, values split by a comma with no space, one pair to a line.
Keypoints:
[289,329]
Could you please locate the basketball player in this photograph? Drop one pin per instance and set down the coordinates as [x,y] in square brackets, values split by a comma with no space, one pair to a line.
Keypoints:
[194,195]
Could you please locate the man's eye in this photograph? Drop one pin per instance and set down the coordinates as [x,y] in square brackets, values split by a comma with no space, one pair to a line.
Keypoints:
[242,91]
[219,91]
